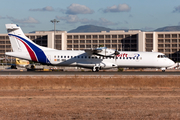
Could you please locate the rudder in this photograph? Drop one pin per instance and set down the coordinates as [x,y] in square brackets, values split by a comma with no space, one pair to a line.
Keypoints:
[14,31]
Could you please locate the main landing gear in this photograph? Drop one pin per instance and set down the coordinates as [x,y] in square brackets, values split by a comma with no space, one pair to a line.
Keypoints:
[95,69]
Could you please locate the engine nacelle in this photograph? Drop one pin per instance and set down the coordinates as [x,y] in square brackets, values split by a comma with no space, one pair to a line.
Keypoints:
[103,51]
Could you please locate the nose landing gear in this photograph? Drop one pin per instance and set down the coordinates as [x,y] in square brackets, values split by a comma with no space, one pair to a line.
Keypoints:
[163,69]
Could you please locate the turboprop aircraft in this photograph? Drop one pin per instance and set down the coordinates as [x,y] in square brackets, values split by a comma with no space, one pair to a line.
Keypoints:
[95,59]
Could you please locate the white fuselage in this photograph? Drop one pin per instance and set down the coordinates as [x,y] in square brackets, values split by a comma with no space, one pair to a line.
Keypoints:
[83,59]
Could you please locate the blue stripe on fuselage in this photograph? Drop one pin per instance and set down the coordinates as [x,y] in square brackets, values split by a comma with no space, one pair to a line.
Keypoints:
[39,53]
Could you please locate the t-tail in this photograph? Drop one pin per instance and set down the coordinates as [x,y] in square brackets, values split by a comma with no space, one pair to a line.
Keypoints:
[23,47]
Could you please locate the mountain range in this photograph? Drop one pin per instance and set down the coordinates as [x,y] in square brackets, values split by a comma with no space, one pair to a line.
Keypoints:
[89,28]
[168,28]
[93,28]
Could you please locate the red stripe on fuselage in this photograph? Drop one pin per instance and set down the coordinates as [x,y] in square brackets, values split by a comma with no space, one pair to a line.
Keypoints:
[31,53]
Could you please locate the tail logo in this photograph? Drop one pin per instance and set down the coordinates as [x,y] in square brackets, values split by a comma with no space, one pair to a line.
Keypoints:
[31,52]
[36,54]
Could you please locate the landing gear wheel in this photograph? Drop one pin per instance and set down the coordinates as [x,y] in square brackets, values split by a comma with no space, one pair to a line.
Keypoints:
[32,67]
[163,69]
[95,69]
[13,67]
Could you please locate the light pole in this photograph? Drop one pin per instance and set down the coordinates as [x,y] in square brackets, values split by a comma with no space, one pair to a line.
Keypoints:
[54,21]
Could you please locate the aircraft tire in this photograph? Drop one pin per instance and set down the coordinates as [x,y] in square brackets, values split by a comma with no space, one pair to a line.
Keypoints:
[32,67]
[95,69]
[13,67]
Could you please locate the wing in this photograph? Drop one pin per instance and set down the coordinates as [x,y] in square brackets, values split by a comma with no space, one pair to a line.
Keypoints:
[93,51]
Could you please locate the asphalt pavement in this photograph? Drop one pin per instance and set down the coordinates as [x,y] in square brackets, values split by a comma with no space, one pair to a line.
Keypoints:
[87,73]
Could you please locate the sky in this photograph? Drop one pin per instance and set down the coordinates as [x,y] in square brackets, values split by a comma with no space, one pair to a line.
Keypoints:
[35,15]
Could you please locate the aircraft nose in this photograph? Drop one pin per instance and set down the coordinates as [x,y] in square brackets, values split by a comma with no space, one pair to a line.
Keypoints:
[171,62]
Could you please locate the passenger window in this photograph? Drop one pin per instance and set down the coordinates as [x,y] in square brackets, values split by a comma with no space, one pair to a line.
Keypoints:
[64,56]
[127,58]
[81,56]
[61,56]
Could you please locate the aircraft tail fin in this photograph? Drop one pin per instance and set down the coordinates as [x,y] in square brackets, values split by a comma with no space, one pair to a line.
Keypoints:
[21,43]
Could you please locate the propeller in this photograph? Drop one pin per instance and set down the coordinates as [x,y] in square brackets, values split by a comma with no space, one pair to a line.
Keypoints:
[116,53]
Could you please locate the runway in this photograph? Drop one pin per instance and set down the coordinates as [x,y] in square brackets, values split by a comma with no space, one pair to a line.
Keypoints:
[88,73]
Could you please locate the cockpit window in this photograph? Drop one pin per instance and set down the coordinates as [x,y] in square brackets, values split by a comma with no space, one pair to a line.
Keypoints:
[161,56]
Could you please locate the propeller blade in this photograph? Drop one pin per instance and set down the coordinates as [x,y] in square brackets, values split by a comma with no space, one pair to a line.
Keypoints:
[116,53]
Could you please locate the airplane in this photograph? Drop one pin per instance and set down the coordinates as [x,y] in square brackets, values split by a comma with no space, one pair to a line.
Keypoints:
[95,59]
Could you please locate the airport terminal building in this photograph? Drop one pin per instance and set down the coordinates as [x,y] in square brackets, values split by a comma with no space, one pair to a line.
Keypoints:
[132,40]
